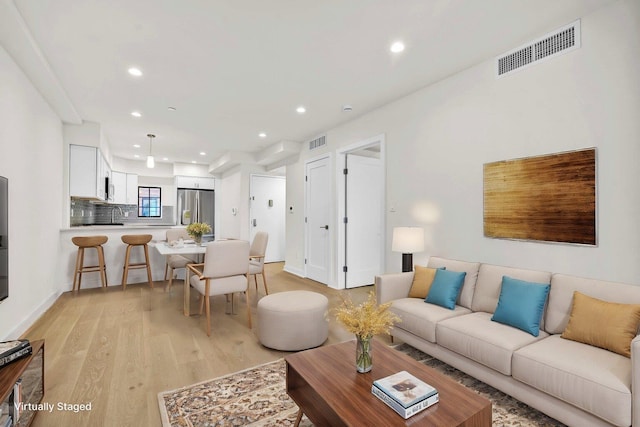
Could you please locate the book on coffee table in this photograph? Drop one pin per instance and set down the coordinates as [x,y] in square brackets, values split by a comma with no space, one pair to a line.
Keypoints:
[404,393]
[13,350]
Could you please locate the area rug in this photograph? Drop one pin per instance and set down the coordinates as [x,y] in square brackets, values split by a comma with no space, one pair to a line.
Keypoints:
[257,397]
[254,397]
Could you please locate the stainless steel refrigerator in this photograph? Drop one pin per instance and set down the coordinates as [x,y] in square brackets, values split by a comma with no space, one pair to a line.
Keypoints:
[197,206]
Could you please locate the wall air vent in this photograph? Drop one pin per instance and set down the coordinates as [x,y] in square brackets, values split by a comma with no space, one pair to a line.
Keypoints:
[556,43]
[318,142]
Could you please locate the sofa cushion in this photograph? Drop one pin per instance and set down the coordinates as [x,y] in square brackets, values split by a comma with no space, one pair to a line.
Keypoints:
[489,283]
[561,297]
[422,279]
[490,343]
[471,268]
[445,288]
[595,380]
[608,325]
[521,304]
[420,318]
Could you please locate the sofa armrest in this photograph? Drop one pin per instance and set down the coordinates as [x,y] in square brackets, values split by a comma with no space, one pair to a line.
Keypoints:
[635,381]
[393,286]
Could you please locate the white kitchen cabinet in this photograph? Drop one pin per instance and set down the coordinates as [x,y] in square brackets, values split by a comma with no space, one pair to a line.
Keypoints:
[197,182]
[124,188]
[118,188]
[85,171]
[132,189]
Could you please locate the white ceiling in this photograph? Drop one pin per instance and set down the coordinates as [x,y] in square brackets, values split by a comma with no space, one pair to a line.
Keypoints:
[236,68]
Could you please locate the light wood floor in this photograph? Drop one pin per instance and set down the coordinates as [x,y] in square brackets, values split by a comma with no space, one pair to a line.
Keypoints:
[118,349]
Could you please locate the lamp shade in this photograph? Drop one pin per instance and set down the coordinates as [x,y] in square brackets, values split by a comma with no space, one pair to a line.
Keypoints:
[408,240]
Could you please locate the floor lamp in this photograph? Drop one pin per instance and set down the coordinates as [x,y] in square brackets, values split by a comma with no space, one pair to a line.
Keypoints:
[407,240]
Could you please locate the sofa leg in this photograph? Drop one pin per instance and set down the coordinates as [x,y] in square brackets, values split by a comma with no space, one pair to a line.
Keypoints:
[391,337]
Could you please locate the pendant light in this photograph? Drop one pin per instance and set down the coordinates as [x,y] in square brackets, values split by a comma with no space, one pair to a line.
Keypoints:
[150,161]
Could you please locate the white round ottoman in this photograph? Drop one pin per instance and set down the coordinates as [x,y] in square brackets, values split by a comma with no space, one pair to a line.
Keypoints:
[293,320]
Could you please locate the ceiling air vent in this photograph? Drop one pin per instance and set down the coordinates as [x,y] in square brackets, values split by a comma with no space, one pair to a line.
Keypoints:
[556,43]
[318,142]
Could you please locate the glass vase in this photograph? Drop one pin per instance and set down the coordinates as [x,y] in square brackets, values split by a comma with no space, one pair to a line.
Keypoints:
[364,359]
[198,239]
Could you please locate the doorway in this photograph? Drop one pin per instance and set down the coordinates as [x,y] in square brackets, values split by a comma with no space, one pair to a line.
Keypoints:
[318,225]
[268,211]
[361,198]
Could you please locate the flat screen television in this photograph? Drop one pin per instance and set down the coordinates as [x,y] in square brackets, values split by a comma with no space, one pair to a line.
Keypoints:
[4,238]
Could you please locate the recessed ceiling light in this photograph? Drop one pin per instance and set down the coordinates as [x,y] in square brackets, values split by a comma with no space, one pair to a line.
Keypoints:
[301,109]
[202,153]
[165,158]
[193,161]
[171,108]
[135,71]
[136,145]
[397,47]
[136,156]
[262,135]
[136,114]
[347,108]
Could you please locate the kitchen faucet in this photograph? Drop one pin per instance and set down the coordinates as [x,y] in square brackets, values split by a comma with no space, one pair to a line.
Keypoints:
[113,211]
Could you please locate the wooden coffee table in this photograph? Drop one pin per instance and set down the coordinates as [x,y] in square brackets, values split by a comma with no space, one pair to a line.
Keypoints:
[326,387]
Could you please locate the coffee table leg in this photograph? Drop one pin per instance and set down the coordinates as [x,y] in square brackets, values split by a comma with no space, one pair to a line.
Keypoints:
[298,418]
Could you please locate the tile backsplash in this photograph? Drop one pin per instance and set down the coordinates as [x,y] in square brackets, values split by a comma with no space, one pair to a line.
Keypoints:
[86,212]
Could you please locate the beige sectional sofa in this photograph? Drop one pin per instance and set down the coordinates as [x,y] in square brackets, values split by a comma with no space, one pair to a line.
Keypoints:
[575,383]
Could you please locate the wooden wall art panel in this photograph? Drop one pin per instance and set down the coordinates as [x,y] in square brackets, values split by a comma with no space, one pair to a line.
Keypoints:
[549,198]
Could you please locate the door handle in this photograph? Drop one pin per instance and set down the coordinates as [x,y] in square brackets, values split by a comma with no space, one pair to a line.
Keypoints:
[326,227]
[255,223]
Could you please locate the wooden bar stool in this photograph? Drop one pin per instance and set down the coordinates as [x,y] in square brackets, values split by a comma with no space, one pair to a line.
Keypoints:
[86,242]
[136,240]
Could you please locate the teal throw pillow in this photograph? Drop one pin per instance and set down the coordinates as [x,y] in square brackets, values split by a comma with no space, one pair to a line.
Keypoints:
[521,304]
[445,288]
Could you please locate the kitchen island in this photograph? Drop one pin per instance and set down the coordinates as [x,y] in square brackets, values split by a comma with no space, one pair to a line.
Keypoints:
[114,252]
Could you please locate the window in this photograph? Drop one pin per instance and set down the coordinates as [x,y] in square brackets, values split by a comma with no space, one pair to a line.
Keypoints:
[149,202]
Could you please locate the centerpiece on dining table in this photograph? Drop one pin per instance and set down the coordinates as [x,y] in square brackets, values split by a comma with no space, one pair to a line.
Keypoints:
[197,229]
[365,320]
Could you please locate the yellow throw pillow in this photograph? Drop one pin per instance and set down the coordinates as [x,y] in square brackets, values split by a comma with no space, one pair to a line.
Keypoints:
[422,279]
[603,324]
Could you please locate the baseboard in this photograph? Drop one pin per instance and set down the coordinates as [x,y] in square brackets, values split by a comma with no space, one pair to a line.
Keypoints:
[293,270]
[24,326]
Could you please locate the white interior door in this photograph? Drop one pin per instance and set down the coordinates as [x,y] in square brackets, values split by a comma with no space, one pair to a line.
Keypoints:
[318,198]
[364,191]
[268,211]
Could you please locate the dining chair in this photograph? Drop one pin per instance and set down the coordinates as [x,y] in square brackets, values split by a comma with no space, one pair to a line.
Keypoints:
[174,262]
[256,258]
[224,272]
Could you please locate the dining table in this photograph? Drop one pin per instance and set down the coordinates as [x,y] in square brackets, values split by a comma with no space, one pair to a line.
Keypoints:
[187,248]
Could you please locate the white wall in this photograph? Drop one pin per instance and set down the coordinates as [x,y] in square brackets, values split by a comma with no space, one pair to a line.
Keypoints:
[229,199]
[161,169]
[294,248]
[437,140]
[189,169]
[31,156]
[232,192]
